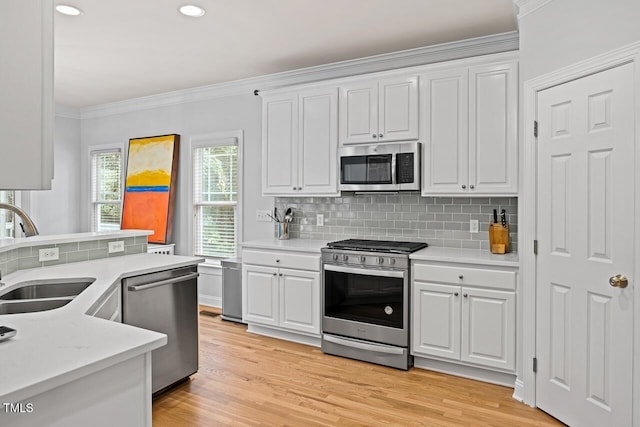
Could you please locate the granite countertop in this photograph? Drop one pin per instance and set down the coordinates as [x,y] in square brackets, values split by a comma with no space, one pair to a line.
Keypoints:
[57,346]
[467,256]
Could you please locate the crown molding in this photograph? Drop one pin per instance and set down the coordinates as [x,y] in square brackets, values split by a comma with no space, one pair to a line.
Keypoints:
[525,7]
[67,112]
[485,45]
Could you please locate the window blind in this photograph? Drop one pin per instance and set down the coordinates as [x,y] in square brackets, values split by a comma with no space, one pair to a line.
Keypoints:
[215,186]
[106,189]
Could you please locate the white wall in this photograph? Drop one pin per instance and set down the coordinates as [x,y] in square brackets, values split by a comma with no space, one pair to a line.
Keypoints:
[240,112]
[56,211]
[563,32]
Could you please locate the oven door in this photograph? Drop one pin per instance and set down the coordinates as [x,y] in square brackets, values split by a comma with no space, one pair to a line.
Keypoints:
[367,304]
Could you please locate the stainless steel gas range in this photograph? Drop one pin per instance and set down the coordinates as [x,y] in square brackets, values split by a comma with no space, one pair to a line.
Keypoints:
[366,300]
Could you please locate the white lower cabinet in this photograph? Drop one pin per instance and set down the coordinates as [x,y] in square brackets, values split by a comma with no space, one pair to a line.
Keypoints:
[457,316]
[279,297]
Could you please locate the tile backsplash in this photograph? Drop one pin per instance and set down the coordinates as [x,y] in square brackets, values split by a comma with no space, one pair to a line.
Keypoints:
[27,257]
[439,221]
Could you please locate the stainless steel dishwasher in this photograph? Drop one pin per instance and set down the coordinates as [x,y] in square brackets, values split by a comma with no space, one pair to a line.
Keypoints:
[232,289]
[166,302]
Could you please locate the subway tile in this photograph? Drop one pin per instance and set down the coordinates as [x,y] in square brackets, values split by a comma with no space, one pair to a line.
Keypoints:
[98,253]
[91,244]
[26,252]
[78,256]
[61,260]
[67,247]
[28,262]
[140,239]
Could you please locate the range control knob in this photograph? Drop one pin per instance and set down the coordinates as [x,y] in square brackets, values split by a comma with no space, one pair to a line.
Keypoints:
[335,257]
[345,257]
[363,258]
[392,261]
[380,260]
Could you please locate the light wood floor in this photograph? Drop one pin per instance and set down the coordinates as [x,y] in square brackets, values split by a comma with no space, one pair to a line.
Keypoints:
[246,379]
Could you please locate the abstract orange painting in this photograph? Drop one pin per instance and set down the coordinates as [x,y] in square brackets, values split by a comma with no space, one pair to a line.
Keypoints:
[152,168]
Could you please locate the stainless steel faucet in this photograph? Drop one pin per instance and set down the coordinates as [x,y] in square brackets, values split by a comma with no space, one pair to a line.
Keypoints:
[28,227]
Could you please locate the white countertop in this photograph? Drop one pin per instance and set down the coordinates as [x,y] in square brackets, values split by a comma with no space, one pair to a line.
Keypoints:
[467,256]
[57,346]
[296,245]
[21,242]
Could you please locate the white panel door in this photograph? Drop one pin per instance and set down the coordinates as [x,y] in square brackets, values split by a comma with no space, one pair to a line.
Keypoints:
[318,143]
[493,133]
[398,109]
[585,234]
[300,300]
[359,112]
[489,328]
[260,295]
[436,320]
[445,103]
[279,144]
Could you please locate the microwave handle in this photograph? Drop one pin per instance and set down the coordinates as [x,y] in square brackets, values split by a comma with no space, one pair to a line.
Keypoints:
[393,168]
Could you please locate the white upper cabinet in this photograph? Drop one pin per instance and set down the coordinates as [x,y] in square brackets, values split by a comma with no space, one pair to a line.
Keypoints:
[470,120]
[493,135]
[379,110]
[299,143]
[445,110]
[26,104]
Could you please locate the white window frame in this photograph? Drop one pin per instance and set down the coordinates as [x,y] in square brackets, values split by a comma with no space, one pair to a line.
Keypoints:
[210,140]
[18,197]
[104,148]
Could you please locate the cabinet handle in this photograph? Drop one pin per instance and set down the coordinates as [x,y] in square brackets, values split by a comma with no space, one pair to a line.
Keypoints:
[465,295]
[277,260]
[464,187]
[455,294]
[280,274]
[472,187]
[461,277]
[374,135]
[380,135]
[274,274]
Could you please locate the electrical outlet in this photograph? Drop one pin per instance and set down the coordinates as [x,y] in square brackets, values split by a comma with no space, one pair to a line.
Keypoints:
[473,226]
[320,219]
[117,246]
[49,254]
[263,216]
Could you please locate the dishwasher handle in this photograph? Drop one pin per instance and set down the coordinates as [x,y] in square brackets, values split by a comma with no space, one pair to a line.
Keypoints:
[137,288]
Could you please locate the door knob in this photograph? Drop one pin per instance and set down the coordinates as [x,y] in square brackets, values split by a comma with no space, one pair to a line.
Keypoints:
[618,281]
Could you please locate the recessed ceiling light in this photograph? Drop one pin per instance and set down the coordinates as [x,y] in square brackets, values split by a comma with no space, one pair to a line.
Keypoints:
[191,10]
[65,9]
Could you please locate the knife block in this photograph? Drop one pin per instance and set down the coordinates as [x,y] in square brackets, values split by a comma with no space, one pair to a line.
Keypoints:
[499,238]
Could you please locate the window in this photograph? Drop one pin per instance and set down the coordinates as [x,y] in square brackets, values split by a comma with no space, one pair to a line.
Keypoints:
[106,189]
[215,198]
[7,218]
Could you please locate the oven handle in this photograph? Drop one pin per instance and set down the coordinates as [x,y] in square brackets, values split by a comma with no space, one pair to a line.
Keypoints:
[364,271]
[362,345]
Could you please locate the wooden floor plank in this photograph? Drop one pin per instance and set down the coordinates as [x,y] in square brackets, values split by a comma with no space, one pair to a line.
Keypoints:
[251,380]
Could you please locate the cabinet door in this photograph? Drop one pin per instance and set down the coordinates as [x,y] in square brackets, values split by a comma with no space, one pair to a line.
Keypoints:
[398,109]
[300,300]
[318,142]
[445,103]
[260,295]
[26,101]
[488,328]
[436,320]
[279,144]
[493,156]
[359,113]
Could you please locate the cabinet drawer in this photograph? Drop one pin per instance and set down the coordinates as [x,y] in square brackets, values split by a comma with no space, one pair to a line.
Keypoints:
[281,259]
[465,276]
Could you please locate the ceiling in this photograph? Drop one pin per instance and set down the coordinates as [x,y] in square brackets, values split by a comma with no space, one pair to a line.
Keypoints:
[123,49]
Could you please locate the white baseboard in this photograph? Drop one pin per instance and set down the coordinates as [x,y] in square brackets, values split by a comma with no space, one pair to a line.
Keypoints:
[518,390]
[284,335]
[464,371]
[210,301]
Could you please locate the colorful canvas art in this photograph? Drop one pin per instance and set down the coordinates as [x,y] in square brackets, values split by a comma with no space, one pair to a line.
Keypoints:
[152,168]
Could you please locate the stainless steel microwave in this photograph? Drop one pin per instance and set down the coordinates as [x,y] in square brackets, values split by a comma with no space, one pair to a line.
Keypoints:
[380,167]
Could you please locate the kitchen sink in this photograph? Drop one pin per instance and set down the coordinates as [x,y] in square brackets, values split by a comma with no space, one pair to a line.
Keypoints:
[52,288]
[30,306]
